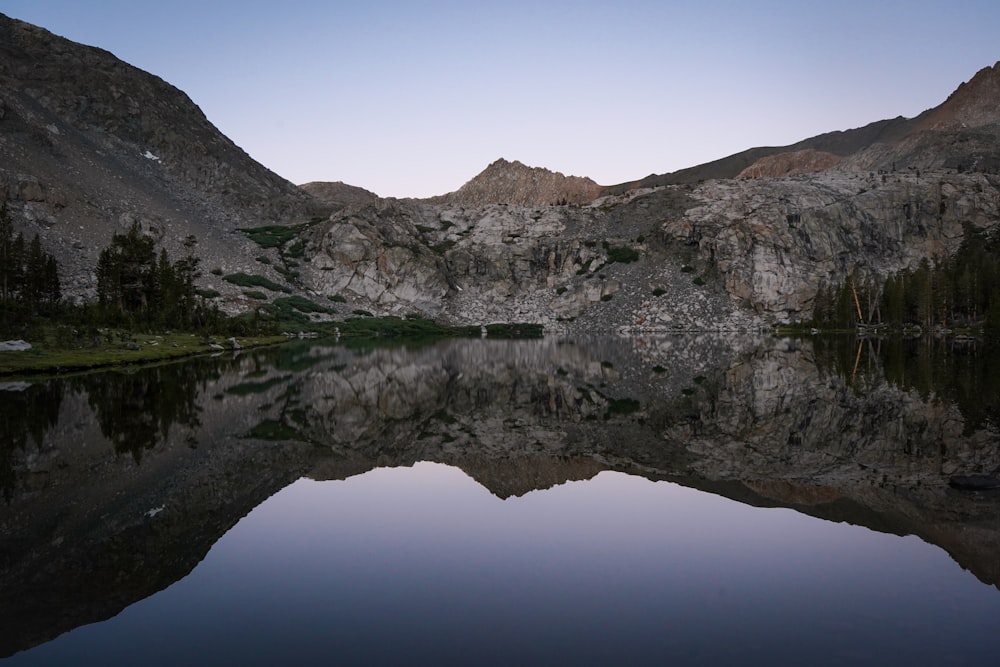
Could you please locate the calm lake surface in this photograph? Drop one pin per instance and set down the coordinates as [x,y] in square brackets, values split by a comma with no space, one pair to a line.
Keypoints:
[673,500]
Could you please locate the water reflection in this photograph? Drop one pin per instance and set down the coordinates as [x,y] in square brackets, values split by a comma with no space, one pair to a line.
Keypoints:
[130,479]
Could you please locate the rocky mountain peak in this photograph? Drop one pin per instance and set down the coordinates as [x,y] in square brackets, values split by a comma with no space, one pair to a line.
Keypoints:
[973,104]
[512,182]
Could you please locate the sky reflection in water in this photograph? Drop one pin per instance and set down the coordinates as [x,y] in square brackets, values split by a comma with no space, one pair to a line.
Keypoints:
[423,565]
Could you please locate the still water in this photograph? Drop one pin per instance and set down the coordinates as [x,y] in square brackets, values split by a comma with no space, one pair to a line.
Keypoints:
[635,501]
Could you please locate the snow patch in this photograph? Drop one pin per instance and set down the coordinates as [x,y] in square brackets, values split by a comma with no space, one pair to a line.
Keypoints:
[149,156]
[156,510]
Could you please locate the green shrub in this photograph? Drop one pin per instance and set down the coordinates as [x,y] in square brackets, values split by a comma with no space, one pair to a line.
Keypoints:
[301,304]
[297,249]
[207,293]
[255,294]
[659,291]
[336,298]
[247,280]
[443,247]
[622,255]
[274,236]
[514,330]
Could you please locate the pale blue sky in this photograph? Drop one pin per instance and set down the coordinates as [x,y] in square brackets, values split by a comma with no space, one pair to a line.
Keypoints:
[414,98]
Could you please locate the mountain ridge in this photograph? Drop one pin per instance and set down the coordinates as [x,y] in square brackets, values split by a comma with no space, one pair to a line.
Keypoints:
[90,145]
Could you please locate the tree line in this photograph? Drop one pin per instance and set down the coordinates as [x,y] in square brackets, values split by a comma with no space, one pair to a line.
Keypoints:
[29,276]
[960,291]
[135,284]
[138,288]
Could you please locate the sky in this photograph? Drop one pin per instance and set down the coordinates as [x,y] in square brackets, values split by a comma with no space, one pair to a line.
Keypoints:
[413,99]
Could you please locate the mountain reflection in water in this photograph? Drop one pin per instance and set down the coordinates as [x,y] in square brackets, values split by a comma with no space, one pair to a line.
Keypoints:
[117,486]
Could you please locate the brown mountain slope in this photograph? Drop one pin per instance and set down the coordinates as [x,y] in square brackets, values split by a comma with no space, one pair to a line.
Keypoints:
[504,182]
[89,144]
[338,194]
[962,134]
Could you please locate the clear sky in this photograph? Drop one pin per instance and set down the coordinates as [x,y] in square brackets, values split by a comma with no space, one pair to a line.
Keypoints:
[415,98]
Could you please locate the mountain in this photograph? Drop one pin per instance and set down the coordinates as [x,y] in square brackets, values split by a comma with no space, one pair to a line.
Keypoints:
[961,133]
[90,144]
[504,182]
[338,195]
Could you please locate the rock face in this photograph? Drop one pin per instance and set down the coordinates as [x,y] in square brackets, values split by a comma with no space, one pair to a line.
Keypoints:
[723,255]
[792,163]
[504,182]
[338,195]
[775,241]
[90,144]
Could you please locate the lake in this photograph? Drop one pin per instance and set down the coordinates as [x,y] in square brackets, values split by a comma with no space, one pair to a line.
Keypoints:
[642,500]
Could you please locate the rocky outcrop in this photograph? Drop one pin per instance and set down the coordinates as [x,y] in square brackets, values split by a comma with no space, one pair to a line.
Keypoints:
[338,195]
[792,163]
[504,182]
[775,241]
[723,255]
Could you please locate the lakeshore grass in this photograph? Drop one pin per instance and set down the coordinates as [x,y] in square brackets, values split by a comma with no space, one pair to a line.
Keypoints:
[118,348]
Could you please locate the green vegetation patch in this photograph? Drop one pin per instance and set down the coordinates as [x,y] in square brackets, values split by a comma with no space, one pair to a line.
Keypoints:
[622,254]
[297,249]
[443,247]
[275,236]
[247,280]
[397,327]
[111,349]
[208,293]
[273,430]
[622,406]
[514,330]
[253,388]
[301,304]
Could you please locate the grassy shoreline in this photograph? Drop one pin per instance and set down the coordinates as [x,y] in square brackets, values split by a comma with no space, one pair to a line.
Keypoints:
[142,350]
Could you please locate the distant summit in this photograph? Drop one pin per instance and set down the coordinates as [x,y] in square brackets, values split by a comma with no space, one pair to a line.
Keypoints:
[504,182]
[960,134]
[338,194]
